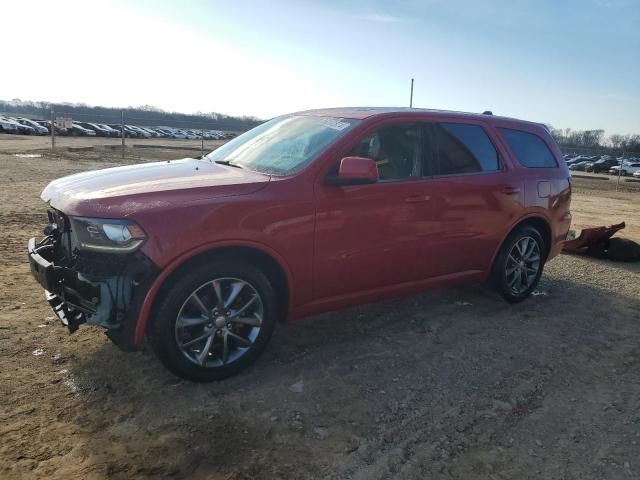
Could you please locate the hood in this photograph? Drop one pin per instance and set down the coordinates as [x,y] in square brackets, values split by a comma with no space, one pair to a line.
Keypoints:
[123,191]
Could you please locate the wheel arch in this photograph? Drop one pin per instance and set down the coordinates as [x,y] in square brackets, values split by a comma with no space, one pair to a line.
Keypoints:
[261,256]
[540,223]
[543,226]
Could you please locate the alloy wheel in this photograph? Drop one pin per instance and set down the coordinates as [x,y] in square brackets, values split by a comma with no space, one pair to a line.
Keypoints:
[219,322]
[523,265]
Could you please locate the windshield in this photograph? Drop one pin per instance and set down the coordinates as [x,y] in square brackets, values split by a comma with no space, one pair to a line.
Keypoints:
[284,145]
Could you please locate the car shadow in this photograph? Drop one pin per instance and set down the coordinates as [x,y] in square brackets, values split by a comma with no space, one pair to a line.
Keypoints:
[138,420]
[629,266]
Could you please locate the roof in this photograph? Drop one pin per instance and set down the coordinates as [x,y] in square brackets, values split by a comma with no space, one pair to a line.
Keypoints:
[361,113]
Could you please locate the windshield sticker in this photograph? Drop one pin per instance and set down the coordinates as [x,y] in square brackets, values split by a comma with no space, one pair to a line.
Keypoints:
[333,123]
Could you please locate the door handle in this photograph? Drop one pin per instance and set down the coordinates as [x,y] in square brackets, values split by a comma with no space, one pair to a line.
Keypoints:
[417,198]
[511,190]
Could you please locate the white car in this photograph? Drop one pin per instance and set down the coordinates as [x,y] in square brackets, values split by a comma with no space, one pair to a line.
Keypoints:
[8,126]
[630,168]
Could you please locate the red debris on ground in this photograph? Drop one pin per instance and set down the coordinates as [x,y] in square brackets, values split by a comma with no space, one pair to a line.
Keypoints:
[592,240]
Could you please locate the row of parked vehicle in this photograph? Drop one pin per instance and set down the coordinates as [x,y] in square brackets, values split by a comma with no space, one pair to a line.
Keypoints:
[604,164]
[25,126]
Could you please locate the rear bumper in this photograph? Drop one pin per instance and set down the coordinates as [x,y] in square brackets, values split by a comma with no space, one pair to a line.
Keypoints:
[95,291]
[559,235]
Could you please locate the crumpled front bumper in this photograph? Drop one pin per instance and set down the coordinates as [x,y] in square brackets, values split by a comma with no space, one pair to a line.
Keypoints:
[94,291]
[71,297]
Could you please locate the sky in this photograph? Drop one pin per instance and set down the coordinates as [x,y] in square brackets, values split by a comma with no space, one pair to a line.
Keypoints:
[571,63]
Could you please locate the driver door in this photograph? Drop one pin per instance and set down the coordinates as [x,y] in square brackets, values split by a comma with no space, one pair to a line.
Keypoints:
[369,236]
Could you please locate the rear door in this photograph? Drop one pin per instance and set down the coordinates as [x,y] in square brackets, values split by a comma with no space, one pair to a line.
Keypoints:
[474,195]
[547,180]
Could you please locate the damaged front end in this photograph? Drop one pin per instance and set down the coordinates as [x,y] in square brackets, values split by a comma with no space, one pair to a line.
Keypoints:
[86,280]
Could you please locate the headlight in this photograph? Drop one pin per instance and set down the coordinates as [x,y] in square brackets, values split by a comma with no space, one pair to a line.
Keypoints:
[107,235]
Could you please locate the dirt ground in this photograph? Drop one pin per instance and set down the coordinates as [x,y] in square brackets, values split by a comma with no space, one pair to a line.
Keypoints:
[451,384]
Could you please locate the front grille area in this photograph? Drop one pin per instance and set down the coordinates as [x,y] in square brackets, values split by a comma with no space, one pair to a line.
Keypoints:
[101,265]
[62,255]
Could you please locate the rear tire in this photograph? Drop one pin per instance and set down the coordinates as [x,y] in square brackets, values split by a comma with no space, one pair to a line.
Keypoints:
[519,264]
[195,333]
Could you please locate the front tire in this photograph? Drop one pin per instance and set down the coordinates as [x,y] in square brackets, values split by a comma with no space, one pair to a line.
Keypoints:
[214,321]
[519,264]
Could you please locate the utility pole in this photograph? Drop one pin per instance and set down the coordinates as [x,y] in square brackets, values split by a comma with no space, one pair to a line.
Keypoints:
[53,130]
[202,138]
[411,96]
[122,130]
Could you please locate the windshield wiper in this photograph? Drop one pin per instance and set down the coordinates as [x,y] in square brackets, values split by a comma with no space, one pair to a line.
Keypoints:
[228,163]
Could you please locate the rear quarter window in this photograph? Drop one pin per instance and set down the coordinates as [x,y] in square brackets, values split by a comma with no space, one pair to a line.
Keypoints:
[530,150]
[463,148]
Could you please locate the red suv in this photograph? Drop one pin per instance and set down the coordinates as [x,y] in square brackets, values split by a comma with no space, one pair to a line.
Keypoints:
[306,213]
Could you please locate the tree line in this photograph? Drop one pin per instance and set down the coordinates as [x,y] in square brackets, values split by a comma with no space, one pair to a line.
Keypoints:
[144,116]
[595,139]
[152,116]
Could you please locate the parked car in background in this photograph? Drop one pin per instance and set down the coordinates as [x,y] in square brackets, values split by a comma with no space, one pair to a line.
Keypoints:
[179,134]
[149,133]
[99,131]
[23,129]
[141,133]
[603,165]
[39,129]
[627,168]
[577,159]
[128,132]
[580,166]
[161,133]
[58,130]
[165,132]
[8,126]
[175,133]
[189,135]
[306,213]
[77,130]
[111,131]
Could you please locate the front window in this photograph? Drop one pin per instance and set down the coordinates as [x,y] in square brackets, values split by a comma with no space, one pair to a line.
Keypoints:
[396,150]
[284,145]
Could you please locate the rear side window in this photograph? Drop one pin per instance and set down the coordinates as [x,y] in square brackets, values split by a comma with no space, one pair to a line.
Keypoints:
[462,148]
[530,149]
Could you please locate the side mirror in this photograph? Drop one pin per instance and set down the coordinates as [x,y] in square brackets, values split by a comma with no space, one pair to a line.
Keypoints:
[355,170]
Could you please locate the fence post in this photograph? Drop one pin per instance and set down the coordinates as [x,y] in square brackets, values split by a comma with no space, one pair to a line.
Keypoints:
[620,170]
[53,130]
[202,145]
[122,131]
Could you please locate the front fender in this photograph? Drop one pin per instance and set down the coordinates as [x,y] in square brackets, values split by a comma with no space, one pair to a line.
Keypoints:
[147,305]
